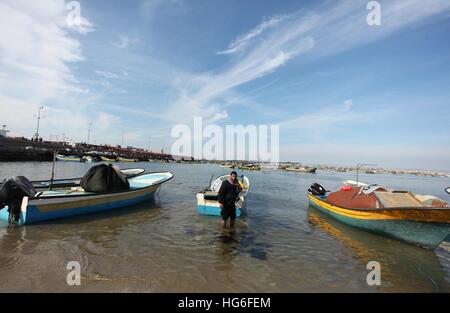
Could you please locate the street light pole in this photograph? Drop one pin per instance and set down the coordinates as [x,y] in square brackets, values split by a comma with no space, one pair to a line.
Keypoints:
[89,132]
[38,121]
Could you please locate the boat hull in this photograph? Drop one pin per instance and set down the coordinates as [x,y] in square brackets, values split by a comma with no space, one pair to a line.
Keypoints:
[405,225]
[36,211]
[213,209]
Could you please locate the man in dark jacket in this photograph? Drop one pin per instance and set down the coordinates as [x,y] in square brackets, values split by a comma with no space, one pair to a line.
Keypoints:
[228,193]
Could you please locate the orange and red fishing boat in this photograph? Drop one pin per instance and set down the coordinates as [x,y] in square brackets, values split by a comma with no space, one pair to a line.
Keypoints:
[418,219]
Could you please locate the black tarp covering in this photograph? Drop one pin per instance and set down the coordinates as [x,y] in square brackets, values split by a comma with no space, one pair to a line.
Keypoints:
[104,178]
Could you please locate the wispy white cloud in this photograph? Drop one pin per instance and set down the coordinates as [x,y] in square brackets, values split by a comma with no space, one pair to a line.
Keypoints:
[240,43]
[198,99]
[36,53]
[108,75]
[330,29]
[36,50]
[57,120]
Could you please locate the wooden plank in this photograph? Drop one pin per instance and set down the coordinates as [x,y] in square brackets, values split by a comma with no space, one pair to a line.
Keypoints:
[397,200]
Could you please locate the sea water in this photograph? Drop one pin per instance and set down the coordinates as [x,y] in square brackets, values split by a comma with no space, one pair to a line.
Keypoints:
[282,245]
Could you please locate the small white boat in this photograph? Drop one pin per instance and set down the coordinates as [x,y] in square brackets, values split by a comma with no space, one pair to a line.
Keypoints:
[269,166]
[208,199]
[227,165]
[447,190]
[89,159]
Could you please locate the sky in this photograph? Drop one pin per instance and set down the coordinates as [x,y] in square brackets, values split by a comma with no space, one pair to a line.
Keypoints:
[342,91]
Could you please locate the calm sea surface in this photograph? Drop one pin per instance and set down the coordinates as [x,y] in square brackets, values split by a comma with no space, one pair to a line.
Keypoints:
[283,245]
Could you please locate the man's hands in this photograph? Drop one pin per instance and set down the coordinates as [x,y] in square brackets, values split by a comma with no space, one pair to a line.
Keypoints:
[221,206]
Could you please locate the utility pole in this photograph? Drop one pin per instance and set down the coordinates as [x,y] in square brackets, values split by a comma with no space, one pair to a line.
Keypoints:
[123,136]
[89,132]
[148,148]
[38,121]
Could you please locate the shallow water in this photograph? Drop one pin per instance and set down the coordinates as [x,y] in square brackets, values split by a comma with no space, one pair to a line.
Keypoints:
[283,245]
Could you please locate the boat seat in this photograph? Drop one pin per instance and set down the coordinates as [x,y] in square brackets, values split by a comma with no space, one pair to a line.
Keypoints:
[211,195]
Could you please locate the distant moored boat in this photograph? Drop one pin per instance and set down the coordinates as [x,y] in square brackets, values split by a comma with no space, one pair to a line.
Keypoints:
[250,167]
[105,159]
[301,169]
[121,159]
[64,158]
[226,165]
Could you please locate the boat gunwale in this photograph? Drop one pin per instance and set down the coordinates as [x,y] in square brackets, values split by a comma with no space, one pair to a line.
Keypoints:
[79,178]
[381,209]
[91,194]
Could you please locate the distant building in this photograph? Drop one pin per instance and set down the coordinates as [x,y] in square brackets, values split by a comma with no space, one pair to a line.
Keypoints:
[3,131]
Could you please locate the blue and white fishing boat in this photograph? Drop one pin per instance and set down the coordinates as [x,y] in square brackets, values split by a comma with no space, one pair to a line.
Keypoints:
[208,199]
[69,199]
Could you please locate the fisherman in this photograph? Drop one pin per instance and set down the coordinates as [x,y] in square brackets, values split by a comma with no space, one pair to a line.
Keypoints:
[228,194]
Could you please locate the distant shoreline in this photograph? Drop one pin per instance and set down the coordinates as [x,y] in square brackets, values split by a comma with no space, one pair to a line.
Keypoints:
[326,168]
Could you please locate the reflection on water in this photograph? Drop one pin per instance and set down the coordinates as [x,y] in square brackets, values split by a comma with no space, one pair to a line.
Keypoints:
[370,247]
[165,246]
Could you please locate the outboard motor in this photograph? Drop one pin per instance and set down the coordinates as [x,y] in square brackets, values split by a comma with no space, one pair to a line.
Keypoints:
[12,193]
[317,190]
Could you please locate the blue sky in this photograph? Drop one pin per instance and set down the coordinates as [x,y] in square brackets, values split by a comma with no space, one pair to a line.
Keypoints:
[342,91]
